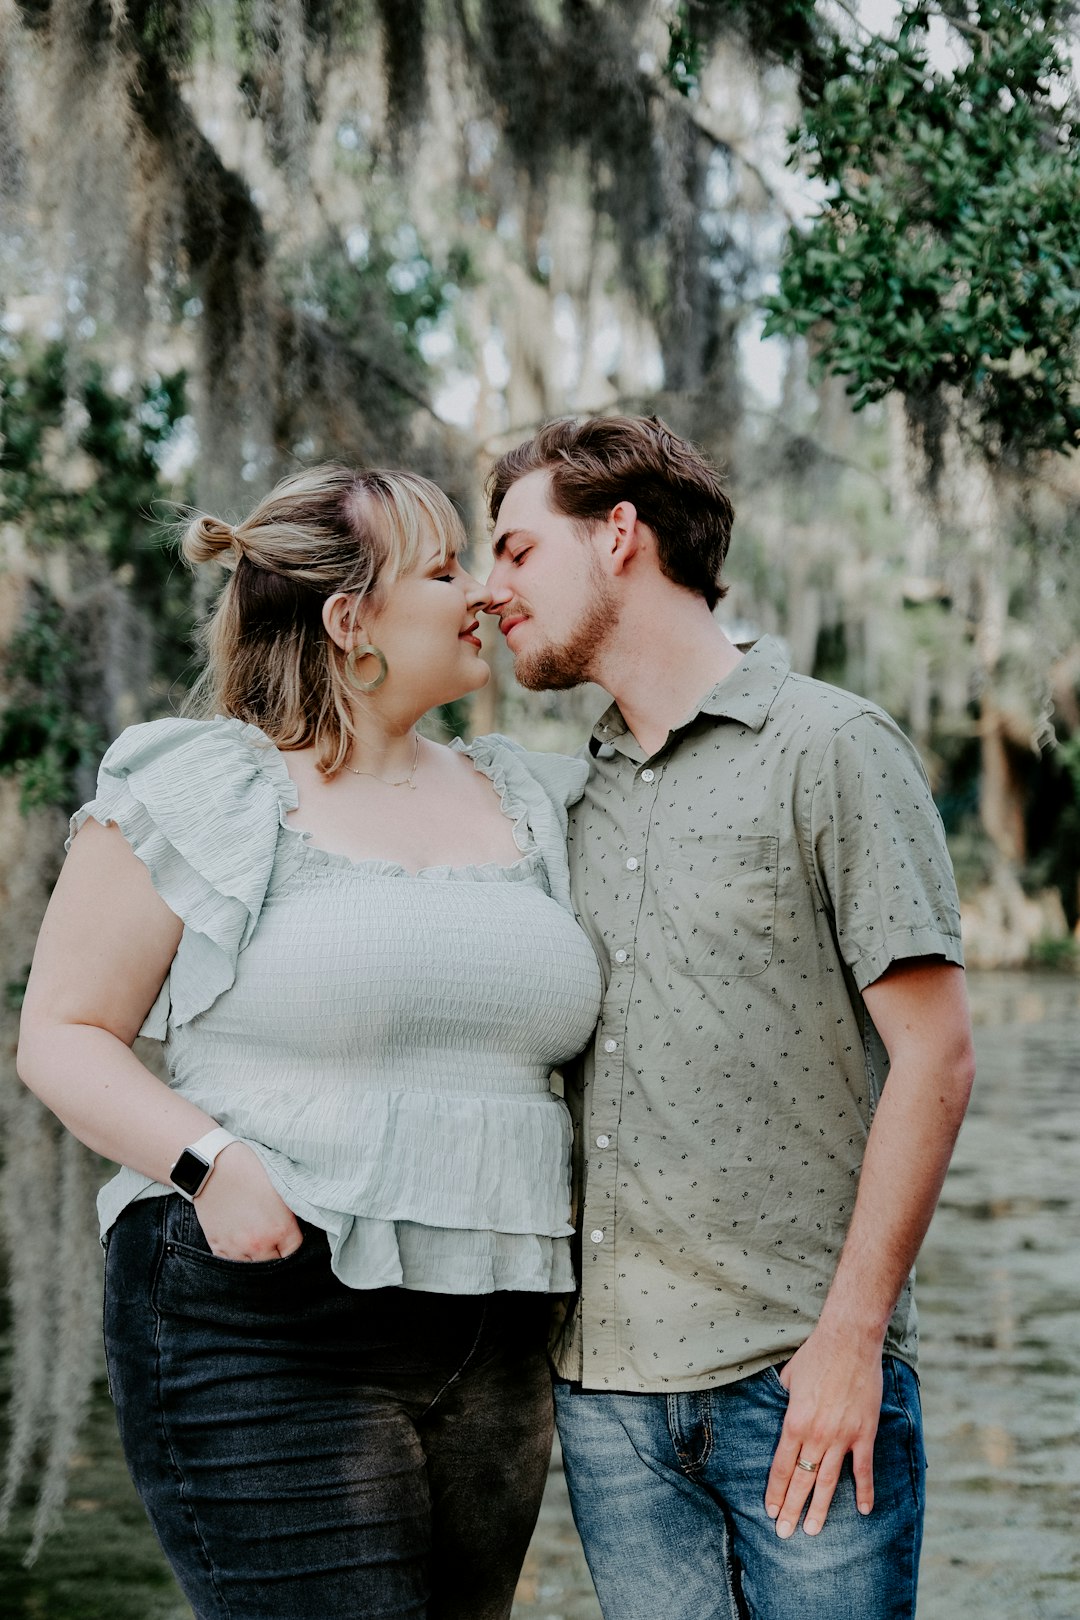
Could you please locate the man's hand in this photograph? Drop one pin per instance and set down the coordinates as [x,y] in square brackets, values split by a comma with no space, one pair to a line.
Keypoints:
[834,1408]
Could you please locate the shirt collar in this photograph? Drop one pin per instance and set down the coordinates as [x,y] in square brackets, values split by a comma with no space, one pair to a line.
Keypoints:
[746,695]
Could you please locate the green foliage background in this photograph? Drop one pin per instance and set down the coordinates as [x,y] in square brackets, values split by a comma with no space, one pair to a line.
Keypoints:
[114,521]
[947,251]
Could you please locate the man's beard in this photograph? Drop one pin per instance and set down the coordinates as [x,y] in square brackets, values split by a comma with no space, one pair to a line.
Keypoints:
[559,666]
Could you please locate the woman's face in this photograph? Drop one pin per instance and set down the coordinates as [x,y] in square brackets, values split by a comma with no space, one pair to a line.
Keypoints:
[426,625]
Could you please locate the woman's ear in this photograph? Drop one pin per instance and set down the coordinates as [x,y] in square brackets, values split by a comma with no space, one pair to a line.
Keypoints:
[339,620]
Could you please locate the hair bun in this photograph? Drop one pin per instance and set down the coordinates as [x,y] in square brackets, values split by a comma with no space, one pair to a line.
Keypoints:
[207,539]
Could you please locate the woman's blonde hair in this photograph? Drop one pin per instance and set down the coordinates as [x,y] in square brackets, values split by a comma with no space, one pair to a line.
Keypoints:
[269,659]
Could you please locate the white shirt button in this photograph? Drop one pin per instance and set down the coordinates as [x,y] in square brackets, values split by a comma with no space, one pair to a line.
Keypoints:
[648,776]
[611,1046]
[620,956]
[597,1236]
[631,865]
[603,1141]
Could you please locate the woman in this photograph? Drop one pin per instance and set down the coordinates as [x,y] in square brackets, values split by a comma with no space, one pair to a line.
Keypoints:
[329,1249]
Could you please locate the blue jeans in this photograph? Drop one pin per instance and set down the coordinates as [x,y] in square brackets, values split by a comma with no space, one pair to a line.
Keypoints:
[307,1451]
[668,1493]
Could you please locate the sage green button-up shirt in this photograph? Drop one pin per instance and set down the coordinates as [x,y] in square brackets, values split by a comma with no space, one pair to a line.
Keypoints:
[741,886]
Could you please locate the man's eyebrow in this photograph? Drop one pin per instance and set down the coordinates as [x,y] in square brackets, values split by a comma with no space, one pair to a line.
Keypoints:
[498,546]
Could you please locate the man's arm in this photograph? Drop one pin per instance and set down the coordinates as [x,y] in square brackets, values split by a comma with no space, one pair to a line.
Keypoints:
[834,1379]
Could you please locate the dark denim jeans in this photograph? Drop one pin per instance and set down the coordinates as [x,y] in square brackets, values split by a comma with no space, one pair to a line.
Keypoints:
[307,1451]
[668,1493]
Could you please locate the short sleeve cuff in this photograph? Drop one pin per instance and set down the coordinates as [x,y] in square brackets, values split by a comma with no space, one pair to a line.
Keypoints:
[906,944]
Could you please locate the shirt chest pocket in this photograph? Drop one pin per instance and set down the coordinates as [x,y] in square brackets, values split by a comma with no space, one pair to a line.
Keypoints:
[720,904]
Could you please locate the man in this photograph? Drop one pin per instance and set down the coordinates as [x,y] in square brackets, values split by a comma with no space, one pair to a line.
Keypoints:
[764,875]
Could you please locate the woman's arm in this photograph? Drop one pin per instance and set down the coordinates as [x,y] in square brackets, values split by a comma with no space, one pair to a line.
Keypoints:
[105,947]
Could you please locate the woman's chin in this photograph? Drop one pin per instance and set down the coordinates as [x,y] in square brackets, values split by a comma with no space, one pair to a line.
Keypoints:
[480,674]
[472,679]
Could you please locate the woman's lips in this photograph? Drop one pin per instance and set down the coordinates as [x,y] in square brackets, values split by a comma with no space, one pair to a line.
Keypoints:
[471,636]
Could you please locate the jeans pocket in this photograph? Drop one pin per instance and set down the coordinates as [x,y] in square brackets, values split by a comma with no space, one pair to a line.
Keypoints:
[901,1416]
[195,1283]
[770,1376]
[183,1230]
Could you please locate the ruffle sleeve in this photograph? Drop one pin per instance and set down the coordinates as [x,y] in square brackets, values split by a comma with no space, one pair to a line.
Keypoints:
[537,790]
[200,803]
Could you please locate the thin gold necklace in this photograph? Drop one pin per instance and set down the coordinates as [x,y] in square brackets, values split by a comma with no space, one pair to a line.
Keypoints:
[402,781]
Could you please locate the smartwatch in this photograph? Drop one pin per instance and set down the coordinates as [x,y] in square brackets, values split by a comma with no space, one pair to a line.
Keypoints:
[195,1165]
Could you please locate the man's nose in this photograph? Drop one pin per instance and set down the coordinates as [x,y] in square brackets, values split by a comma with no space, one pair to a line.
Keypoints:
[498,592]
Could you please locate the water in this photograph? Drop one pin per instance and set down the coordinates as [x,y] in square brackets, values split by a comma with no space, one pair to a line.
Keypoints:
[999,1291]
[999,1296]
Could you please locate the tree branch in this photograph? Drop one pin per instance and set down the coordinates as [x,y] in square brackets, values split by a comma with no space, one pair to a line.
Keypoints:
[696,116]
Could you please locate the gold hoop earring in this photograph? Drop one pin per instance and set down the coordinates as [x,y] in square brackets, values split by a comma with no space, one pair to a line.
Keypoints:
[354,657]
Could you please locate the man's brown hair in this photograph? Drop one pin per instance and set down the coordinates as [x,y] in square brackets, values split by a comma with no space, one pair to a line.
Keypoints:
[596,464]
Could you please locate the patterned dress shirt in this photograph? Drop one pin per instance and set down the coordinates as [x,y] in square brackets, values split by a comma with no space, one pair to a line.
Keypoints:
[741,886]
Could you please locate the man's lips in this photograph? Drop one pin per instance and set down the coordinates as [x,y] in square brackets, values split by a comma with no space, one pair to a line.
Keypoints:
[511,620]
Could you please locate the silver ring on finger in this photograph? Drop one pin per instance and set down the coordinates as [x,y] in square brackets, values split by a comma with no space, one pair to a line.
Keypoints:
[807,1467]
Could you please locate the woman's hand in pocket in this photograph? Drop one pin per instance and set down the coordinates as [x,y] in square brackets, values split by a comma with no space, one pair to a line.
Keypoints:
[241,1214]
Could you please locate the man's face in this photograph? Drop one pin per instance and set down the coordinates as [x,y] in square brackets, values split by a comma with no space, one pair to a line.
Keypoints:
[556,604]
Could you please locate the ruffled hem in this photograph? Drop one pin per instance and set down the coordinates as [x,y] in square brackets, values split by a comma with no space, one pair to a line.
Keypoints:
[313,855]
[441,1162]
[477,1163]
[401,1254]
[188,795]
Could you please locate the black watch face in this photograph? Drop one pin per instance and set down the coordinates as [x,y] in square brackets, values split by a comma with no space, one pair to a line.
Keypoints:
[189,1172]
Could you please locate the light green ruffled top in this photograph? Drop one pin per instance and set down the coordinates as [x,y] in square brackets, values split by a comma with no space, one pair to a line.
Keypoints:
[383,1040]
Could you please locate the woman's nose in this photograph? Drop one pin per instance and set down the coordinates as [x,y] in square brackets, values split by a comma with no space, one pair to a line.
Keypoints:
[476,594]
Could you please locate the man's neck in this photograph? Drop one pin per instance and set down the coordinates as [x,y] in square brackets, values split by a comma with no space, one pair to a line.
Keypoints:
[660,663]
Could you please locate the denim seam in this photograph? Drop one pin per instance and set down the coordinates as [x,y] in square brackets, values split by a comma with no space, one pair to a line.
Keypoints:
[163,1250]
[736,1607]
[104,1308]
[454,1376]
[706,1423]
[690,1466]
[912,1430]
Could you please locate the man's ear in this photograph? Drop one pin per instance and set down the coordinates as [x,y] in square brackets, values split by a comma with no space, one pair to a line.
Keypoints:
[626,535]
[340,621]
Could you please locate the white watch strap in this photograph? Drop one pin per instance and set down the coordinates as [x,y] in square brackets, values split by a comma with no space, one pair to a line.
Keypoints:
[209,1146]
